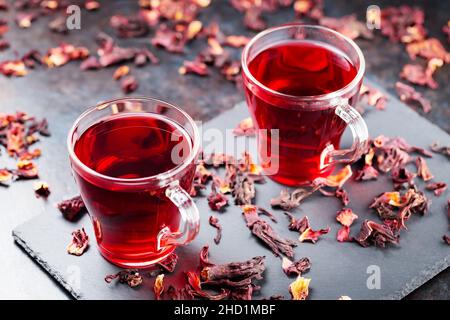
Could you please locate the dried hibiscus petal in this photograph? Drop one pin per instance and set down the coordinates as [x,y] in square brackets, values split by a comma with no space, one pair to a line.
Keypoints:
[408,94]
[195,283]
[297,225]
[169,263]
[245,128]
[262,230]
[398,21]
[348,26]
[444,150]
[437,187]
[216,200]
[13,68]
[121,72]
[313,236]
[346,217]
[5,177]
[214,222]
[446,239]
[42,189]
[373,97]
[402,177]
[26,170]
[422,169]
[343,234]
[253,19]
[158,286]
[195,67]
[70,208]
[375,233]
[244,190]
[236,41]
[132,277]
[204,257]
[169,39]
[417,74]
[129,84]
[295,268]
[80,242]
[299,289]
[428,49]
[24,19]
[289,201]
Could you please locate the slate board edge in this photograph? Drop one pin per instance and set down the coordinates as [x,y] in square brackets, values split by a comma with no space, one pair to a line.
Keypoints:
[427,274]
[35,256]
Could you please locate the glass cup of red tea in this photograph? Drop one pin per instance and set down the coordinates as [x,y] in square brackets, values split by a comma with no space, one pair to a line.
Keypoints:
[134,162]
[302,83]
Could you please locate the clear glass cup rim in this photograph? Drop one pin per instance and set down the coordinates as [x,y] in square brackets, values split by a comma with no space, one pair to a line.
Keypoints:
[163,176]
[322,97]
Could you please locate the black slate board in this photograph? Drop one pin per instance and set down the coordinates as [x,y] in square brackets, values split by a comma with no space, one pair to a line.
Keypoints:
[337,268]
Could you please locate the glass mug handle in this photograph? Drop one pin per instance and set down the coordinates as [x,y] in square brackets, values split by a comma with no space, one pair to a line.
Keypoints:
[190,219]
[359,131]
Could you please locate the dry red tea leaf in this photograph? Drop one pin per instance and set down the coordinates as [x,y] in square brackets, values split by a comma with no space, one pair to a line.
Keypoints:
[128,27]
[297,225]
[428,49]
[417,74]
[91,5]
[4,45]
[409,95]
[158,286]
[373,97]
[295,268]
[403,23]
[422,169]
[169,263]
[289,201]
[253,19]
[299,289]
[14,68]
[59,56]
[214,222]
[262,230]
[309,8]
[310,235]
[216,200]
[129,84]
[6,177]
[195,67]
[196,285]
[243,190]
[80,242]
[346,217]
[121,72]
[167,38]
[24,19]
[402,178]
[343,234]
[446,239]
[26,169]
[236,41]
[375,233]
[348,26]
[444,150]
[131,277]
[235,277]
[42,189]
[245,128]
[71,208]
[437,187]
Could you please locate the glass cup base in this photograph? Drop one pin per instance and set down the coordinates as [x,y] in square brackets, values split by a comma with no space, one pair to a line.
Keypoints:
[143,261]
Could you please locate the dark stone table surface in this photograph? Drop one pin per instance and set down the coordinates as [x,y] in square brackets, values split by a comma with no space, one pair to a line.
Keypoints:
[61,94]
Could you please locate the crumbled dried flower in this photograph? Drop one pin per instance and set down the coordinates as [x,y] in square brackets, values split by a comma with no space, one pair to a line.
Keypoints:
[409,95]
[428,49]
[79,244]
[26,170]
[41,189]
[295,268]
[375,233]
[312,236]
[216,200]
[289,201]
[121,72]
[195,283]
[437,187]
[158,286]
[299,289]
[195,67]
[71,208]
[214,222]
[349,26]
[346,217]
[129,84]
[236,41]
[245,128]
[131,277]
[169,263]
[422,169]
[444,150]
[13,68]
[343,234]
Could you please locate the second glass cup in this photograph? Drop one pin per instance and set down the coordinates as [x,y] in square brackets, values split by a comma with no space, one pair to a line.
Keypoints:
[302,83]
[134,162]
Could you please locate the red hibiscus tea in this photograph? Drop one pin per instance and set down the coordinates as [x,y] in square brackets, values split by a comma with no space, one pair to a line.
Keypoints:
[286,91]
[130,147]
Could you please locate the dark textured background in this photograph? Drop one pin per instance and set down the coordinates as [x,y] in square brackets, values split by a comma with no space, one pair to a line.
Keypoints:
[61,94]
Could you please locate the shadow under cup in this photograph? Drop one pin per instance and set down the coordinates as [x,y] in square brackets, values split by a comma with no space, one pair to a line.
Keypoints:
[134,160]
[302,83]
